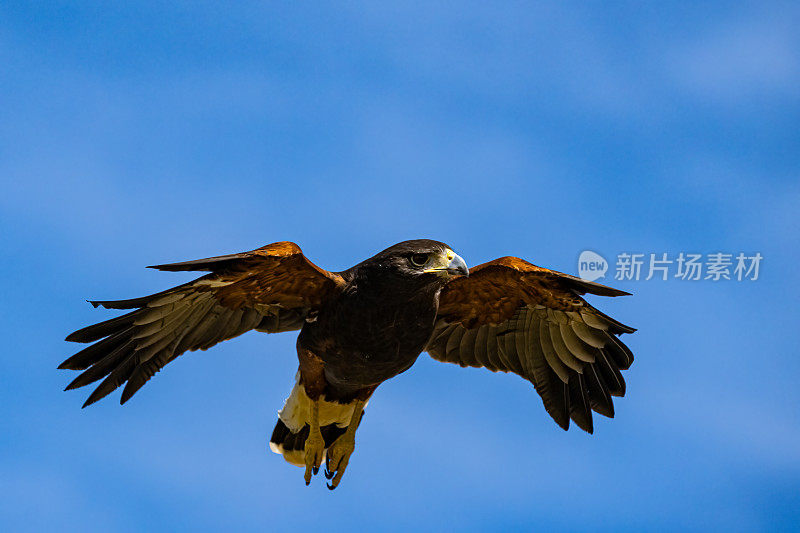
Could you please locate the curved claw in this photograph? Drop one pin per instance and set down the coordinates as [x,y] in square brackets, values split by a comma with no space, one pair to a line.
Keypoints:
[338,458]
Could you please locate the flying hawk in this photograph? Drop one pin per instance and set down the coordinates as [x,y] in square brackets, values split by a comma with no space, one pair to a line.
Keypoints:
[365,325]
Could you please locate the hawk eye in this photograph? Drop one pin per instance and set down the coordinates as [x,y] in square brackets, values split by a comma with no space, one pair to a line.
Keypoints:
[418,259]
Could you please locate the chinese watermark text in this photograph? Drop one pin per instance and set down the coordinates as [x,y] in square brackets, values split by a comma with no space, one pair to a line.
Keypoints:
[629,266]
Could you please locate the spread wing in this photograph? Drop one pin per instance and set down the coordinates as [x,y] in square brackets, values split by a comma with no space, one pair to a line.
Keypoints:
[269,289]
[513,316]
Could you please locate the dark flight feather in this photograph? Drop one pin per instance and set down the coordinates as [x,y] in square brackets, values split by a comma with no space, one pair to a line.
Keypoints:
[536,324]
[131,348]
[579,409]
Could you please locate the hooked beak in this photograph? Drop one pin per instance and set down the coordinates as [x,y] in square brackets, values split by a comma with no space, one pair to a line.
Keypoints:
[457,266]
[448,265]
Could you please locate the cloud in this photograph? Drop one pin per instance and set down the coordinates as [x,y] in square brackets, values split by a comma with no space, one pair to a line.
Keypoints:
[756,55]
[723,183]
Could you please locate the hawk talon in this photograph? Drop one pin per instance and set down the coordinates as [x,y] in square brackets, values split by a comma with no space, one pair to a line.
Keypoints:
[314,449]
[338,455]
[314,445]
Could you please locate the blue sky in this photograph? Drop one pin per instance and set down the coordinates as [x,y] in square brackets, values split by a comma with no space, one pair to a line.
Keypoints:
[142,133]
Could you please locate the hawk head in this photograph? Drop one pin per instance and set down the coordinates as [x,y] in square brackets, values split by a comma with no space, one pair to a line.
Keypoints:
[422,260]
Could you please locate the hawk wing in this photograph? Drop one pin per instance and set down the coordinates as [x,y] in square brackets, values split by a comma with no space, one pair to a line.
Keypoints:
[513,316]
[269,289]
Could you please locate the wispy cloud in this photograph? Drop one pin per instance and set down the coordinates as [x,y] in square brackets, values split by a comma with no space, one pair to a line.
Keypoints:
[754,55]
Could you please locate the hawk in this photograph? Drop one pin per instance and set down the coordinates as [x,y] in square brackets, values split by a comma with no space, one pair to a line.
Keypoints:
[365,325]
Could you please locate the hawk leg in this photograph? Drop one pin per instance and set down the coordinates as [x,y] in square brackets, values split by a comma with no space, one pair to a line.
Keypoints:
[312,380]
[338,455]
[315,445]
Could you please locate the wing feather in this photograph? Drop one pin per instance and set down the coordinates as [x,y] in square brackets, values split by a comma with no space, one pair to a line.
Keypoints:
[575,346]
[599,397]
[545,381]
[509,357]
[479,353]
[590,336]
[611,374]
[564,354]
[621,353]
[512,316]
[454,340]
[95,352]
[520,337]
[547,333]
[579,409]
[103,367]
[467,345]
[493,352]
[269,289]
